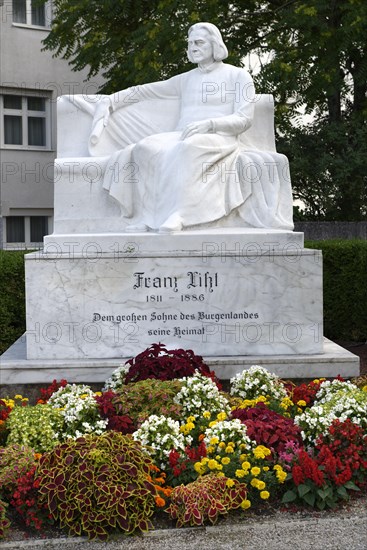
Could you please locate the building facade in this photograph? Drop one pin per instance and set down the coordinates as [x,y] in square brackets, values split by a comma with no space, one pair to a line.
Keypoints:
[31,80]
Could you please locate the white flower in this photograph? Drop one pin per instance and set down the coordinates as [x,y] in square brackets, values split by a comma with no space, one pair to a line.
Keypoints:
[117,378]
[256,381]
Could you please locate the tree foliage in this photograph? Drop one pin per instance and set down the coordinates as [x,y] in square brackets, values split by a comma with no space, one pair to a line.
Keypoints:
[313,58]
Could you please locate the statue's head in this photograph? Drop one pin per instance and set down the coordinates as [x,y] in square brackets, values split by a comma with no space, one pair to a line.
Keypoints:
[220,51]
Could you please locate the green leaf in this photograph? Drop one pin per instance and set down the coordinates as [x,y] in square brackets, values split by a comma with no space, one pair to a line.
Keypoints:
[303,489]
[310,498]
[351,485]
[289,496]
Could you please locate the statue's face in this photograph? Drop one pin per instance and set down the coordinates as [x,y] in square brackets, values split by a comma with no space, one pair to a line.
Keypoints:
[200,48]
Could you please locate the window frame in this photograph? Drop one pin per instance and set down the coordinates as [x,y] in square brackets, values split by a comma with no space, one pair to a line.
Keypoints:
[27,243]
[25,114]
[48,10]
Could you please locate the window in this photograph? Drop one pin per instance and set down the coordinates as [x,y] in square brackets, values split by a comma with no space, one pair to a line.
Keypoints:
[26,122]
[15,232]
[26,230]
[39,228]
[31,12]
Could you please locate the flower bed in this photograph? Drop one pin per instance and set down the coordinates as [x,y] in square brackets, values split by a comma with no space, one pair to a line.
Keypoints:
[97,463]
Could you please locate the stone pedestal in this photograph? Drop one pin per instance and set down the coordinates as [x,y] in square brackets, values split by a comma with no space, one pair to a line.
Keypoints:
[225,292]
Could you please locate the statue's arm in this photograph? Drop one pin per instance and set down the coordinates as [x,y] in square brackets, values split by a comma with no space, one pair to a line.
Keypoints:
[164,89]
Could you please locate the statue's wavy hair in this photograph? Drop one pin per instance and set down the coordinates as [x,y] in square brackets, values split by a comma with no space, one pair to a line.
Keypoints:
[219,48]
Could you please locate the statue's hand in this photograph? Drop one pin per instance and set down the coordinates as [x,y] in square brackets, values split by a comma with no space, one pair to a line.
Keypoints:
[200,127]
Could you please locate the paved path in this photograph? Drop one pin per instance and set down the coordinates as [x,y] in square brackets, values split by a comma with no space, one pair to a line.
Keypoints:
[335,533]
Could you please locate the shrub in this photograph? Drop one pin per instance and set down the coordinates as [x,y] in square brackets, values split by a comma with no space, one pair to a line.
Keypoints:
[45,393]
[79,410]
[142,399]
[4,522]
[347,443]
[267,427]
[12,297]
[159,435]
[96,484]
[338,400]
[345,289]
[158,362]
[199,394]
[108,407]
[25,501]
[205,499]
[35,427]
[15,461]
[255,382]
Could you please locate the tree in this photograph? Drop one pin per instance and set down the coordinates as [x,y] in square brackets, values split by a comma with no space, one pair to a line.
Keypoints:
[313,59]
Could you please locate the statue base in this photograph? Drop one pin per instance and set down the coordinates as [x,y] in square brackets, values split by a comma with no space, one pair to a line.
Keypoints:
[219,292]
[17,370]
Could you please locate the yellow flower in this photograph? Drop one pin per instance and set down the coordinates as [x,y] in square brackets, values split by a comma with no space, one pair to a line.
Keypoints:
[213,423]
[364,388]
[255,471]
[239,473]
[212,464]
[281,476]
[226,460]
[255,482]
[214,441]
[206,414]
[243,457]
[229,449]
[246,465]
[220,474]
[221,416]
[210,450]
[229,483]
[222,445]
[264,495]
[199,468]
[261,399]
[277,467]
[184,429]
[286,402]
[245,504]
[301,403]
[190,419]
[18,396]
[24,399]
[266,468]
[98,393]
[261,485]
[259,452]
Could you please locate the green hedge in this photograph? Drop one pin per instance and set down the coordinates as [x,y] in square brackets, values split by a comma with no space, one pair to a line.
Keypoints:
[12,297]
[345,288]
[345,291]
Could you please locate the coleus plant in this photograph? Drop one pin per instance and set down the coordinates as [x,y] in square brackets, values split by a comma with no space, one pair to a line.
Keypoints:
[163,364]
[205,499]
[96,484]
[268,427]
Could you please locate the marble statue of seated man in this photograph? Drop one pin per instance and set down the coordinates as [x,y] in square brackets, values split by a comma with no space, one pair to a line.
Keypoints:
[194,171]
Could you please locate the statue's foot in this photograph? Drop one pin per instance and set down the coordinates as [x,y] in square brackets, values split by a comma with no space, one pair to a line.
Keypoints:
[173,223]
[136,228]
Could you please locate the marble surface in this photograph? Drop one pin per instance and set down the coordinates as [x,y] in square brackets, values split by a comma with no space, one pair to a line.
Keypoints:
[17,369]
[222,242]
[217,305]
[194,150]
